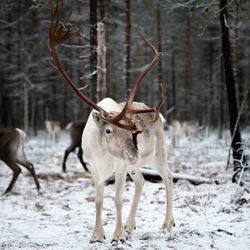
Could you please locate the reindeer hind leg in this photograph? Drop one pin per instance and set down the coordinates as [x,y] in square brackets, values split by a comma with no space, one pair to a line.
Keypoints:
[66,154]
[161,165]
[16,171]
[29,166]
[80,153]
[21,159]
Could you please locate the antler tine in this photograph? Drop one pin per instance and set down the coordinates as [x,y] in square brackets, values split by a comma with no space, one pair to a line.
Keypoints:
[163,98]
[156,58]
[147,42]
[52,13]
[56,37]
[155,109]
[69,29]
[57,14]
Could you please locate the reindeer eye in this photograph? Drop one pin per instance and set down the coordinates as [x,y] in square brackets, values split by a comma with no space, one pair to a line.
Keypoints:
[108,131]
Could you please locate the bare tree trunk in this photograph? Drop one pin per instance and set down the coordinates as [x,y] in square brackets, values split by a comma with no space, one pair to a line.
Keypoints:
[80,43]
[82,109]
[248,77]
[26,107]
[93,46]
[160,78]
[101,63]
[211,92]
[8,113]
[2,97]
[230,84]
[188,66]
[238,70]
[128,45]
[138,65]
[138,57]
[158,14]
[173,84]
[53,109]
[102,10]
[65,106]
[222,82]
[33,98]
[236,31]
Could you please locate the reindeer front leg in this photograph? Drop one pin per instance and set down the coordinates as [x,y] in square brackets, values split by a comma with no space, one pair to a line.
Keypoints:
[120,178]
[98,234]
[139,181]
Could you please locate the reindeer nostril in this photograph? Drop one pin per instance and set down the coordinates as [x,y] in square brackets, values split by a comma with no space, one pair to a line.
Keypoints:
[131,157]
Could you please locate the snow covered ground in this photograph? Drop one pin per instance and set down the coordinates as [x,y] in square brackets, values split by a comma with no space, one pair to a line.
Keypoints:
[63,216]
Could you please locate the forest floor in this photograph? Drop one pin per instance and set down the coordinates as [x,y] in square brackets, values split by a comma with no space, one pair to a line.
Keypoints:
[207,216]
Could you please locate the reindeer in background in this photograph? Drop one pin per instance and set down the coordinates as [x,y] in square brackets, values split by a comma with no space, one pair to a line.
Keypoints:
[190,128]
[75,130]
[12,153]
[118,137]
[53,128]
[177,128]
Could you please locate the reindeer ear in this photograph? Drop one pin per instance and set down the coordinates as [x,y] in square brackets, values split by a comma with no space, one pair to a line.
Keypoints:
[98,119]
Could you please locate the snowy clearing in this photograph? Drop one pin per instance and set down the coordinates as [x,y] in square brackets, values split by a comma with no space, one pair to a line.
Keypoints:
[63,216]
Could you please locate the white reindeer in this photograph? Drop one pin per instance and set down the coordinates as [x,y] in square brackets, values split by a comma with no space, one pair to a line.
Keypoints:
[54,129]
[120,138]
[190,128]
[175,130]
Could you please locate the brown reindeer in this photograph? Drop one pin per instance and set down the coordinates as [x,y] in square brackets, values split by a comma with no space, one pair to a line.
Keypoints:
[12,153]
[120,138]
[75,129]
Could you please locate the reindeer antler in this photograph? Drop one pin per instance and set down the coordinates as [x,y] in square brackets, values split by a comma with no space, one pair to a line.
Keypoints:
[58,36]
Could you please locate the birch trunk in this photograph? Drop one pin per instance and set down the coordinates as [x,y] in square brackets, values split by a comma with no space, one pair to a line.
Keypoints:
[26,107]
[101,63]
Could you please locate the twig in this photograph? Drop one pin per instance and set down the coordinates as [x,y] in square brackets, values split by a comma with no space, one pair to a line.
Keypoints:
[193,209]
[169,111]
[224,231]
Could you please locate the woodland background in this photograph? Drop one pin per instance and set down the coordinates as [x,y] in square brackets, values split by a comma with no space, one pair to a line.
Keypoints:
[191,70]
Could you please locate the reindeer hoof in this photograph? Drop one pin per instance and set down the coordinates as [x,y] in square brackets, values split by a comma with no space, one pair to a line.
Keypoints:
[97,240]
[121,240]
[168,225]
[130,227]
[97,236]
[119,235]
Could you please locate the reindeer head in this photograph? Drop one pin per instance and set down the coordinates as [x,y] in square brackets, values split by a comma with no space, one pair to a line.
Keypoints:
[119,142]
